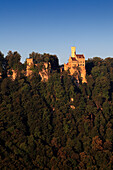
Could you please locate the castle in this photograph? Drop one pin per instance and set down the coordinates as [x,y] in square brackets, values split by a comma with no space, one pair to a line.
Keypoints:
[76,64]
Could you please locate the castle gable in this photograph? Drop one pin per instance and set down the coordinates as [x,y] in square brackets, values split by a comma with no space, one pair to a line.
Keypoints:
[80,56]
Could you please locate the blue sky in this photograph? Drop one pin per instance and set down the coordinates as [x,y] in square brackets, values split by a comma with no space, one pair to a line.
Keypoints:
[53,26]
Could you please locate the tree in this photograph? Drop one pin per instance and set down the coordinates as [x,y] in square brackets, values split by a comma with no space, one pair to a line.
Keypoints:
[13,60]
[97,143]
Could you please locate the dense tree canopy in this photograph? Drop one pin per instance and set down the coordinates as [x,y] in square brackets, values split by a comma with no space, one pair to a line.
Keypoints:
[41,58]
[57,124]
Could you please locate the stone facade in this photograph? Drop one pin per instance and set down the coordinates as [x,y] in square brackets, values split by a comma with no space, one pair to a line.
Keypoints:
[76,65]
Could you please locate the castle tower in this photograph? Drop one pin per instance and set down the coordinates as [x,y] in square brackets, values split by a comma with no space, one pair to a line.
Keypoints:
[29,64]
[73,51]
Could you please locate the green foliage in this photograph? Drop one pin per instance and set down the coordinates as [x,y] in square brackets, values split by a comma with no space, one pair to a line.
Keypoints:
[41,58]
[56,124]
[13,60]
[2,62]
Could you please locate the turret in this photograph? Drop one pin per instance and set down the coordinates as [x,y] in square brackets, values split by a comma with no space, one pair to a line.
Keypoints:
[73,51]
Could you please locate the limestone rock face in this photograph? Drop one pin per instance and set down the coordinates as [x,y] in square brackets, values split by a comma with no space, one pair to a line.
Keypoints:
[0,75]
[12,74]
[44,73]
[29,65]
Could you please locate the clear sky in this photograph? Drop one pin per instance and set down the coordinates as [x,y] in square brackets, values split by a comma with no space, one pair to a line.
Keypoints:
[53,26]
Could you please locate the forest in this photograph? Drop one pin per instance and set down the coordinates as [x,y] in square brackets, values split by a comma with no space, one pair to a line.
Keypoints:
[56,124]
